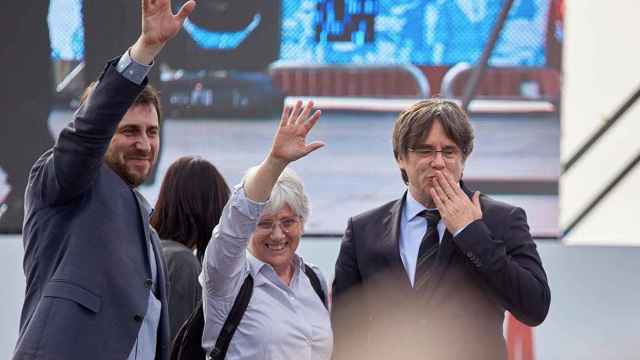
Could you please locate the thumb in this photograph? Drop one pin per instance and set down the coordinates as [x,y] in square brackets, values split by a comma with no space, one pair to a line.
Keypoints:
[476,199]
[185,10]
[313,147]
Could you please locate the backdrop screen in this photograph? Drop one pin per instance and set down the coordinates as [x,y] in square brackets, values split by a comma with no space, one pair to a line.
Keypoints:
[425,32]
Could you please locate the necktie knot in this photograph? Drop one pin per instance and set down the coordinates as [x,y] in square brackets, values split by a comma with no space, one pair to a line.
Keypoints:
[432,217]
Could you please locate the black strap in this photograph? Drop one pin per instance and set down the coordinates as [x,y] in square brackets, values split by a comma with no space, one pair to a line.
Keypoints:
[233,320]
[187,344]
[315,283]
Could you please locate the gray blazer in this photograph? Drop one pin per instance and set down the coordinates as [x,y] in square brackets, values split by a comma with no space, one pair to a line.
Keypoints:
[85,237]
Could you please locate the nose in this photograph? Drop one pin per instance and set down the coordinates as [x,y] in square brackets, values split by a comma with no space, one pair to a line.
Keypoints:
[276,232]
[437,162]
[143,143]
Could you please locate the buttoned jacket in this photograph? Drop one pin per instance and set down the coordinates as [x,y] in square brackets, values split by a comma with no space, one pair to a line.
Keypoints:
[86,243]
[489,267]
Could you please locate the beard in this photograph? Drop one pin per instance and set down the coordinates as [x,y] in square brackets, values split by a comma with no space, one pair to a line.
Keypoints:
[119,166]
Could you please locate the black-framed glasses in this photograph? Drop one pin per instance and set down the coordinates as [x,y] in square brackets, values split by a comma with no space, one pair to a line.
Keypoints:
[449,153]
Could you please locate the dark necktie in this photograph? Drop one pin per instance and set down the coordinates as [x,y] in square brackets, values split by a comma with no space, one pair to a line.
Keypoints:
[428,248]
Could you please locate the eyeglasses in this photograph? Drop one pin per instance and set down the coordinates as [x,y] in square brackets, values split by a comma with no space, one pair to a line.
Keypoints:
[430,153]
[286,225]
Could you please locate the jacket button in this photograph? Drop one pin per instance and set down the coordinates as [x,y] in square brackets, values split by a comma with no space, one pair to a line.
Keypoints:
[137,318]
[148,283]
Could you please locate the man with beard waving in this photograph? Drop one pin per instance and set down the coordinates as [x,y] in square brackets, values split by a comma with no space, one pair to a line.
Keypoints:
[95,276]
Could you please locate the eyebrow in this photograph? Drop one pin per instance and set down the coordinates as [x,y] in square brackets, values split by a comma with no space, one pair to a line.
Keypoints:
[137,127]
[129,127]
[427,146]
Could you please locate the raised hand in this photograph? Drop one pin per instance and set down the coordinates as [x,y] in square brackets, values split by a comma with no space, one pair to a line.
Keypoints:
[159,25]
[158,22]
[455,207]
[289,143]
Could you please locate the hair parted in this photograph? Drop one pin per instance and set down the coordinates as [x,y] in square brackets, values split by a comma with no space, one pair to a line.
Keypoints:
[414,125]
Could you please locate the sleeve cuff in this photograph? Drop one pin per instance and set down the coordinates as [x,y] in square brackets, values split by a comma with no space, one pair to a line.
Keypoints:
[132,70]
[460,230]
[250,208]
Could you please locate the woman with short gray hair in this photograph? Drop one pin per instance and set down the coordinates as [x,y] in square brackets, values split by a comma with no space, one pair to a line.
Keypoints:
[285,314]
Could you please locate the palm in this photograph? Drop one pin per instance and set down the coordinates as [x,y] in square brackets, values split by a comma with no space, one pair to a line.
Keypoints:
[289,143]
[158,22]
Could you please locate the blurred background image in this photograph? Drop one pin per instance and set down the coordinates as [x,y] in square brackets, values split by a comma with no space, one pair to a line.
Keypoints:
[548,85]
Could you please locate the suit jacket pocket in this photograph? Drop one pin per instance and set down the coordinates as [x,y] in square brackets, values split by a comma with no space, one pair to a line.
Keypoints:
[66,290]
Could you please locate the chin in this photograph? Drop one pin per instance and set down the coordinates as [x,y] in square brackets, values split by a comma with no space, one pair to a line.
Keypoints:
[135,179]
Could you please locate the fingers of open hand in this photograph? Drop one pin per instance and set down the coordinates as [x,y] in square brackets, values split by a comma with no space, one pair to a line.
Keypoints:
[436,199]
[444,183]
[185,10]
[153,6]
[295,113]
[299,116]
[284,119]
[306,110]
[309,124]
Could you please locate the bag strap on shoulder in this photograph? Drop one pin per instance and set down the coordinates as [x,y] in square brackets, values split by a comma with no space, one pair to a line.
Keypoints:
[233,320]
[315,283]
[240,306]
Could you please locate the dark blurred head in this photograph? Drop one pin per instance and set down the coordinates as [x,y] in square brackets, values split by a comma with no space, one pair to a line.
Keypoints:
[192,196]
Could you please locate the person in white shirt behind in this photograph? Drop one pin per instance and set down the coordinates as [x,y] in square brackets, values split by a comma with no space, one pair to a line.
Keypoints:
[285,318]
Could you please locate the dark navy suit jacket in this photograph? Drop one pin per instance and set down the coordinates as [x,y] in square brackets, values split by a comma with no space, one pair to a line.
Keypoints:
[85,237]
[490,267]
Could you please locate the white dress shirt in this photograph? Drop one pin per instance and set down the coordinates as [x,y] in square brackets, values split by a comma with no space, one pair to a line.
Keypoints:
[145,345]
[281,322]
[412,229]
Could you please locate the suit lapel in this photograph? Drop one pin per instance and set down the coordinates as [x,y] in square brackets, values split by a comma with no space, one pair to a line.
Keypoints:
[152,243]
[163,330]
[145,214]
[390,244]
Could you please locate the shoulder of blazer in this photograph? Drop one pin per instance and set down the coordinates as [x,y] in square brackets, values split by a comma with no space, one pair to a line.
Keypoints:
[493,207]
[375,214]
[497,214]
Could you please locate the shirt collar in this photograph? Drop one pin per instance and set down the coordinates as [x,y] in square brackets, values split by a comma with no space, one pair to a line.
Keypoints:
[413,207]
[256,266]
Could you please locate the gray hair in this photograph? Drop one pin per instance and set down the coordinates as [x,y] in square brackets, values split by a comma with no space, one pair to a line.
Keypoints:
[288,190]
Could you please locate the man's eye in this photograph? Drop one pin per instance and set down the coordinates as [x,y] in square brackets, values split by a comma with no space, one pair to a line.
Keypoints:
[449,152]
[426,152]
[265,224]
